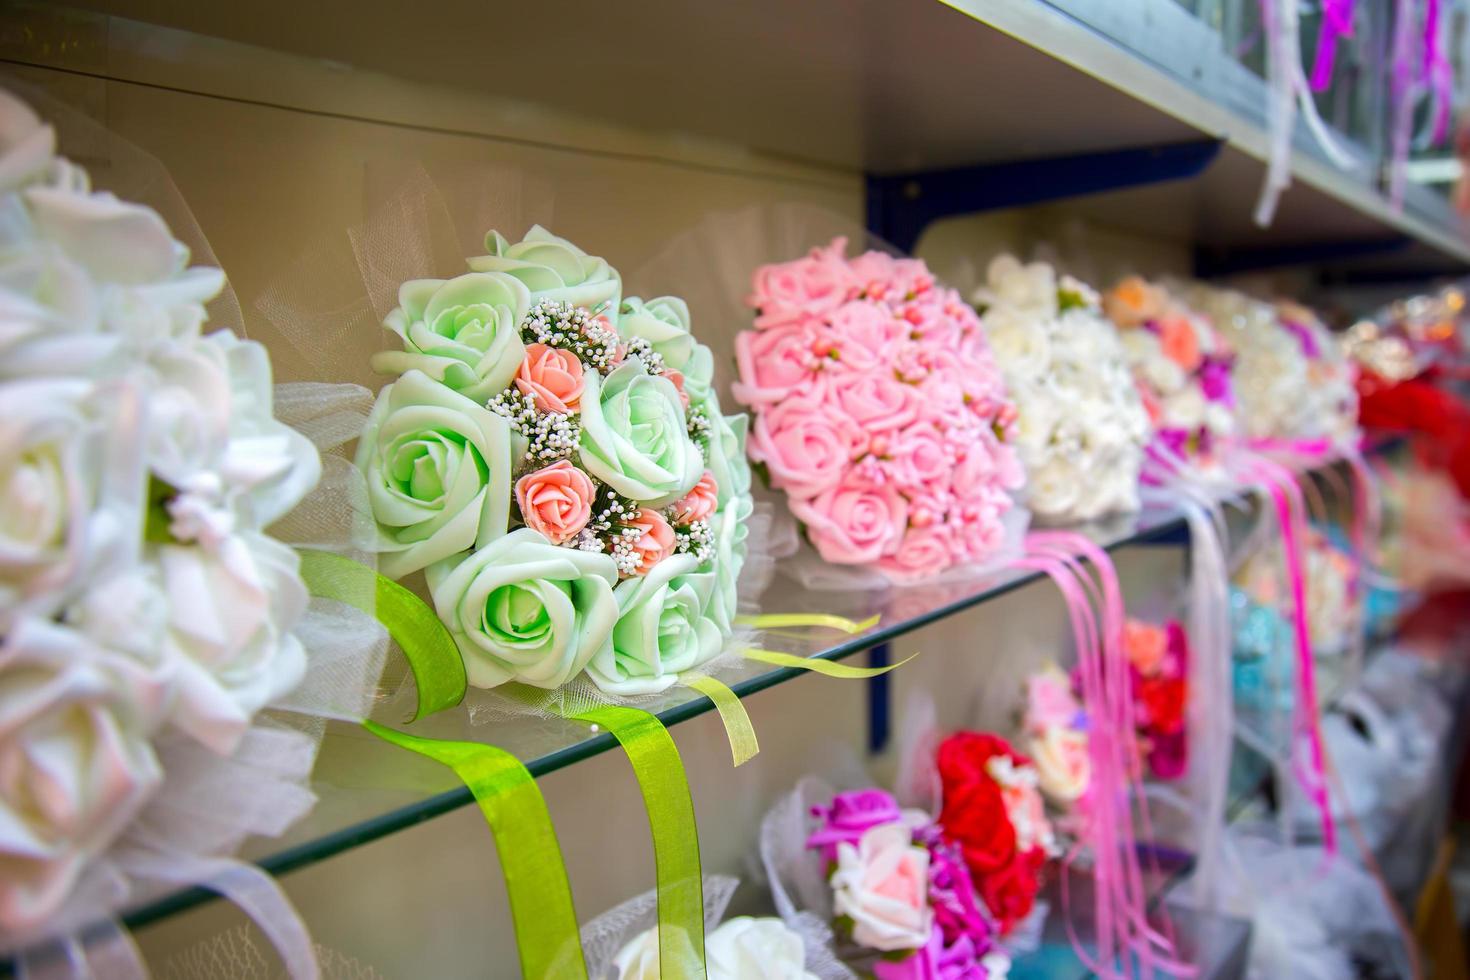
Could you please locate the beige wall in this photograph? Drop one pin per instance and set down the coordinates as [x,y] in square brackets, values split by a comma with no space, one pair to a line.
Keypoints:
[278,156]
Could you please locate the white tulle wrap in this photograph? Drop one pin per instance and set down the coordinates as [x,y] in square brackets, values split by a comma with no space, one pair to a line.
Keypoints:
[164,672]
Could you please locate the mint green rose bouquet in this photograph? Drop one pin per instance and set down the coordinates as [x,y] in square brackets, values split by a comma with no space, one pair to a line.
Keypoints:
[554,459]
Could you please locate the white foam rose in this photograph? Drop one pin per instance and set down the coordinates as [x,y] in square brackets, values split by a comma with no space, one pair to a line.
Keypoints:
[1031,288]
[148,293]
[1163,375]
[1186,409]
[882,886]
[742,948]
[75,762]
[232,609]
[70,490]
[1019,342]
[1053,489]
[27,145]
[747,948]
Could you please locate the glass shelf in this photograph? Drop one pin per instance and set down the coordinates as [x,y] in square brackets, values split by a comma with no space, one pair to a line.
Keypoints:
[368,789]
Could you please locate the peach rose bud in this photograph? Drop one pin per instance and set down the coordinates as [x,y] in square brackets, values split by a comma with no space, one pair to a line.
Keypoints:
[552,376]
[556,501]
[698,504]
[655,543]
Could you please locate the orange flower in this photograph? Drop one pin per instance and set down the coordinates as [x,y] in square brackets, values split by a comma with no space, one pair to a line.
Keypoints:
[1179,342]
[1132,302]
[1145,645]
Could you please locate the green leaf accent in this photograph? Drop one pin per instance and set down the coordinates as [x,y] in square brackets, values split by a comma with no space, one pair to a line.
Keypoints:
[156,518]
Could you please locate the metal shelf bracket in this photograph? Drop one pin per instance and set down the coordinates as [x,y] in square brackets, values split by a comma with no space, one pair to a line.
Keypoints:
[901,206]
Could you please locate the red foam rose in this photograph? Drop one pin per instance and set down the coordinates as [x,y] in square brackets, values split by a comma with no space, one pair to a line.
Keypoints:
[1010,891]
[1163,700]
[974,813]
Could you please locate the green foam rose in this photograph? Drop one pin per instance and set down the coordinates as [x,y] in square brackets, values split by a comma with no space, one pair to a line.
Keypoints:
[523,609]
[634,436]
[730,524]
[553,269]
[664,629]
[438,473]
[463,332]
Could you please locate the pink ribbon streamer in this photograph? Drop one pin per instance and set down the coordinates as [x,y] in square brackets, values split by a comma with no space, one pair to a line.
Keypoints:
[1437,74]
[1311,773]
[1337,23]
[1095,611]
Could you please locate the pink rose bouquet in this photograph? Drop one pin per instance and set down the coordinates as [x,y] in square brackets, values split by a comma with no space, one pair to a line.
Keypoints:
[553,456]
[880,411]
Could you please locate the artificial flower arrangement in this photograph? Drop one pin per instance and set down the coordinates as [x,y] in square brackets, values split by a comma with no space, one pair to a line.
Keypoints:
[1158,656]
[909,894]
[879,409]
[1182,367]
[146,615]
[1080,423]
[1056,724]
[1331,613]
[553,456]
[1293,382]
[903,893]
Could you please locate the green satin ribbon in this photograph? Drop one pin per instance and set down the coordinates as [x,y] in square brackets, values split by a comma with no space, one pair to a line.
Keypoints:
[775,621]
[738,729]
[830,668]
[660,773]
[530,857]
[438,668]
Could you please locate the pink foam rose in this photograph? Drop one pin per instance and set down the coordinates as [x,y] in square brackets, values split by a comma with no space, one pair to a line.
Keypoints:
[552,376]
[923,552]
[655,543]
[815,284]
[929,505]
[854,524]
[774,363]
[920,456]
[980,534]
[877,404]
[912,276]
[873,271]
[556,500]
[975,471]
[805,444]
[698,504]
[1049,701]
[932,321]
[865,335]
[677,378]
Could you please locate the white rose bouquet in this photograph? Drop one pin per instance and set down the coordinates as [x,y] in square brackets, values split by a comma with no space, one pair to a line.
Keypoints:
[146,615]
[1183,369]
[1294,383]
[1080,424]
[553,456]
